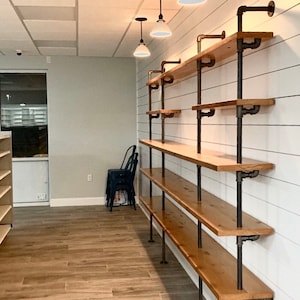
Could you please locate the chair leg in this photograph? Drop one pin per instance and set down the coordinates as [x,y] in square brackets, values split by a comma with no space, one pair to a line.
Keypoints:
[111,200]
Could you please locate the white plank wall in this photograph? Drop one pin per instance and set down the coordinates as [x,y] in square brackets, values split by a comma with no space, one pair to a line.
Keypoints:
[272,135]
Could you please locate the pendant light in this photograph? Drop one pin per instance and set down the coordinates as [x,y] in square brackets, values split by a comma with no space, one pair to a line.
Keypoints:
[141,50]
[188,2]
[160,29]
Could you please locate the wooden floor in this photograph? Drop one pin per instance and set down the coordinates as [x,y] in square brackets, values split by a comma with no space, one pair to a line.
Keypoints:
[85,253]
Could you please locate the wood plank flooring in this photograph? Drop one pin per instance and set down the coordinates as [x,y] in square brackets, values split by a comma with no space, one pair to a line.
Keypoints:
[86,253]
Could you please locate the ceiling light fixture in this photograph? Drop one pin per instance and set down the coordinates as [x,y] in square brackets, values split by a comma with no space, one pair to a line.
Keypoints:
[141,50]
[190,2]
[160,29]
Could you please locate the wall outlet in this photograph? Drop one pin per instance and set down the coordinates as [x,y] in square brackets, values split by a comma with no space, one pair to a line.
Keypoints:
[90,177]
[42,197]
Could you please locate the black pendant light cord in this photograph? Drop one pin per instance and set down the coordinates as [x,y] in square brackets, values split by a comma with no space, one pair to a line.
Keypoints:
[160,17]
[141,20]
[141,40]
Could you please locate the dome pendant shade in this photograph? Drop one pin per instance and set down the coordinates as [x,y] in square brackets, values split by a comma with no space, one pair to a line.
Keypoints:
[141,50]
[161,29]
[190,2]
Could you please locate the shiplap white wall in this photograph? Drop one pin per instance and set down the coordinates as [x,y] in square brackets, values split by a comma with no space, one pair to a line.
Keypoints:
[272,135]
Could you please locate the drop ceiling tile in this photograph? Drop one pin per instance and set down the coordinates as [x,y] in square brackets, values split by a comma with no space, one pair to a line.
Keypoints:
[104,28]
[104,4]
[166,5]
[9,47]
[56,44]
[69,3]
[47,13]
[58,51]
[51,30]
[10,25]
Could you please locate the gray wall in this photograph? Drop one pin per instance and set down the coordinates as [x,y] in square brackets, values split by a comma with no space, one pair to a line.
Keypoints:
[92,119]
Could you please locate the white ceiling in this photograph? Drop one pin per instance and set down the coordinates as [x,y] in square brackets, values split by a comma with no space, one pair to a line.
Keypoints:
[78,27]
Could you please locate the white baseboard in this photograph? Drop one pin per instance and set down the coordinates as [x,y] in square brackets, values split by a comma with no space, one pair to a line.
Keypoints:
[25,204]
[77,201]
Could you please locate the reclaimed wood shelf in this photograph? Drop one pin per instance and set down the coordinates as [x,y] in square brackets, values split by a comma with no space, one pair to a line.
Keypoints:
[235,103]
[4,173]
[4,209]
[4,230]
[4,190]
[219,51]
[170,113]
[223,274]
[210,159]
[215,266]
[4,153]
[218,215]
[6,202]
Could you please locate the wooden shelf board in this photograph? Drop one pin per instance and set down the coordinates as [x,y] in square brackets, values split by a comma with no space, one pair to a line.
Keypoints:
[209,159]
[4,136]
[219,51]
[234,103]
[4,153]
[213,263]
[4,229]
[4,189]
[4,209]
[164,112]
[218,215]
[4,173]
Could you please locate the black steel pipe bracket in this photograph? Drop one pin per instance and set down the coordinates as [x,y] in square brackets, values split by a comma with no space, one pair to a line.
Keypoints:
[168,79]
[201,37]
[209,113]
[208,64]
[251,111]
[242,175]
[248,111]
[170,115]
[165,62]
[154,86]
[270,9]
[253,45]
[242,239]
[156,116]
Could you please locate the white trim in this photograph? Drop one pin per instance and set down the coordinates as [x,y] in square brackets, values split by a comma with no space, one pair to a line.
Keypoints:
[25,204]
[34,159]
[77,201]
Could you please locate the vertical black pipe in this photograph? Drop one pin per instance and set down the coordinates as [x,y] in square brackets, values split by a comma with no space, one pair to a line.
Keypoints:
[200,288]
[199,100]
[239,199]
[239,151]
[163,249]
[239,96]
[199,234]
[151,229]
[239,262]
[163,199]
[239,174]
[162,105]
[150,135]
